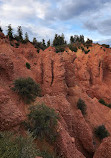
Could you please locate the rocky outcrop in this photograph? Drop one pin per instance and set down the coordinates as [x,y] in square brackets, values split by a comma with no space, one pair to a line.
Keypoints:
[93,72]
[51,73]
[6,67]
[66,145]
[104,150]
[10,114]
[76,127]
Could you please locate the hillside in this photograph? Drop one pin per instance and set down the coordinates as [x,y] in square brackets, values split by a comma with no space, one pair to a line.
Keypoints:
[64,78]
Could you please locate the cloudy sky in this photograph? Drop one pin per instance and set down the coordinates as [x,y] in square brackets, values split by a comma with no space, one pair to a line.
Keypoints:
[44,18]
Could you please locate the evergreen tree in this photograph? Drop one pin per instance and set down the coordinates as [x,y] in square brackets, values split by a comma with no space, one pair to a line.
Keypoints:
[34,41]
[62,39]
[39,45]
[89,41]
[1,29]
[55,41]
[71,39]
[58,40]
[10,32]
[81,39]
[65,42]
[20,33]
[48,43]
[43,42]
[26,37]
[76,38]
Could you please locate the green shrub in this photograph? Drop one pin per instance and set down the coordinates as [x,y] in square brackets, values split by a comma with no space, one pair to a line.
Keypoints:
[101,132]
[60,49]
[102,102]
[82,48]
[86,51]
[88,43]
[12,44]
[73,48]
[82,106]
[28,66]
[109,105]
[27,88]
[42,122]
[38,50]
[12,146]
[17,45]
[106,45]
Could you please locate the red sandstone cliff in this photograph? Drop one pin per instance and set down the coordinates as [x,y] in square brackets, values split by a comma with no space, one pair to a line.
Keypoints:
[64,78]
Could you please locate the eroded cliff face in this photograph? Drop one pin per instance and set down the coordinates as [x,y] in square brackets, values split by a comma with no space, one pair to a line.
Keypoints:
[64,78]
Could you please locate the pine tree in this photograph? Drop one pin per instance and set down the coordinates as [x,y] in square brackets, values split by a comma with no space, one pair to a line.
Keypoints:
[43,42]
[71,39]
[1,29]
[89,41]
[48,43]
[20,33]
[10,32]
[34,41]
[26,37]
[58,40]
[82,39]
[55,41]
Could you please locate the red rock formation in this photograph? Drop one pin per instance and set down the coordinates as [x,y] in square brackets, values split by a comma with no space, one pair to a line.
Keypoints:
[76,127]
[10,115]
[104,151]
[66,145]
[64,78]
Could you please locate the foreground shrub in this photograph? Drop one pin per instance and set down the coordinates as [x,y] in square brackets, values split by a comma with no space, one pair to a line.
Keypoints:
[27,88]
[42,122]
[16,146]
[28,66]
[101,132]
[82,106]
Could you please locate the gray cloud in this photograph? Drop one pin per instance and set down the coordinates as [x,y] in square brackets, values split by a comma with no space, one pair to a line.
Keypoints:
[90,26]
[67,9]
[75,8]
[103,27]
